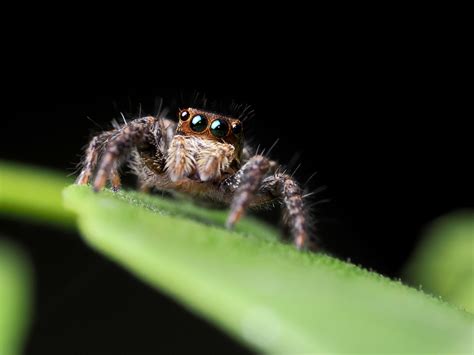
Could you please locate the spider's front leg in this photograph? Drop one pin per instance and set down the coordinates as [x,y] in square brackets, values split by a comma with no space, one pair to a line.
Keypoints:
[92,154]
[245,183]
[251,186]
[113,147]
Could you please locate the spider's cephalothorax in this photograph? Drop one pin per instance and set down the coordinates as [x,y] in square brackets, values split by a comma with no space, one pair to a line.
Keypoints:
[206,147]
[203,155]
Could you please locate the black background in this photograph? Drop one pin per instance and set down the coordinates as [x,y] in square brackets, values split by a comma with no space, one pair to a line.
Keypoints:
[379,120]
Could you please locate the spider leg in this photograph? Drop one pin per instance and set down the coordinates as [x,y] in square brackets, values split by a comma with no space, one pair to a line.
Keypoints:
[92,153]
[118,148]
[246,183]
[285,188]
[251,188]
[115,179]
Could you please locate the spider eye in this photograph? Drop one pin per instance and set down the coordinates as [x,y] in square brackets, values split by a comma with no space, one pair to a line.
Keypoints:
[198,123]
[237,128]
[184,115]
[219,128]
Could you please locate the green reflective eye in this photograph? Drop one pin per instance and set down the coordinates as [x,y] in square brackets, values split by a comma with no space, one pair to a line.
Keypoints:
[198,123]
[219,128]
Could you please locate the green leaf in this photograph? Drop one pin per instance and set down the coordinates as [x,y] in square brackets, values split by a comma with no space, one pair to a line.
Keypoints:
[15,292]
[444,261]
[261,291]
[33,194]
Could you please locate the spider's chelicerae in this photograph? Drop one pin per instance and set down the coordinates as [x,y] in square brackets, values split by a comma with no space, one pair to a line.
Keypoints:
[203,155]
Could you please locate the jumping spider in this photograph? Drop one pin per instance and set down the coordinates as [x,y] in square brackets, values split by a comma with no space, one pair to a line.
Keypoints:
[204,156]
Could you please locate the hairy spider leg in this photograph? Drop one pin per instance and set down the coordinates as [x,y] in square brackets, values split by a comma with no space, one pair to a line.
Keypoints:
[92,153]
[118,147]
[252,185]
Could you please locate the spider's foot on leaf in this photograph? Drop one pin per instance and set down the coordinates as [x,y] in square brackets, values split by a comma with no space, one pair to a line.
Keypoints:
[234,216]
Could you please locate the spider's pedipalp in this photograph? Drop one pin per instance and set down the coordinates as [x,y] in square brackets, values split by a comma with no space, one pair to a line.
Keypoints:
[213,159]
[180,161]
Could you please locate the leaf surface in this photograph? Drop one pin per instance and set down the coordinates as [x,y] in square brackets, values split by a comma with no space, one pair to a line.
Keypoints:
[261,291]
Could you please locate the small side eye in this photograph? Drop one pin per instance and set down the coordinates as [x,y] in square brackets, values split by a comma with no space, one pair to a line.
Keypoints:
[237,128]
[219,128]
[184,115]
[198,123]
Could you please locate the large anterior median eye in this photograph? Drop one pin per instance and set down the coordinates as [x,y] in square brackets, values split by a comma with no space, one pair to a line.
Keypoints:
[198,123]
[219,128]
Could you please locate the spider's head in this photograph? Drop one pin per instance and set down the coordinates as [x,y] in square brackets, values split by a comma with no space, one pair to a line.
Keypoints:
[206,146]
[211,126]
